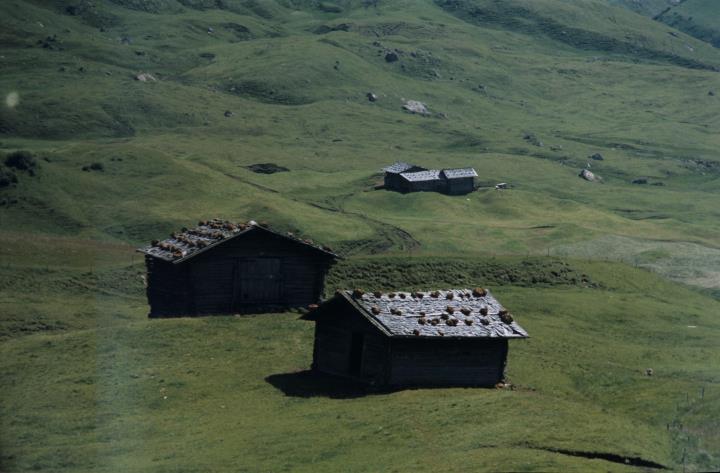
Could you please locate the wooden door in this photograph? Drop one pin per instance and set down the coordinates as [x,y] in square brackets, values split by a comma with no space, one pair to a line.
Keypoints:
[259,281]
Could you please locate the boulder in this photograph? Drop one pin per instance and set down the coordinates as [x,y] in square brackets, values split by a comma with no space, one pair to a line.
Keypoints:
[589,176]
[145,77]
[371,97]
[392,57]
[228,114]
[413,106]
[640,180]
[597,157]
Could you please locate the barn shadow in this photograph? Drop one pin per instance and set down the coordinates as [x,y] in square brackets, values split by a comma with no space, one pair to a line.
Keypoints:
[309,383]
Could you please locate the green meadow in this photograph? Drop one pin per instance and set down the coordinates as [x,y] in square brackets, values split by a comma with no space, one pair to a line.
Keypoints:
[610,278]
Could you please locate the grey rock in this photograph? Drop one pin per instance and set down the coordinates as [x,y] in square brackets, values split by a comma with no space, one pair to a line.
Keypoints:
[589,176]
[413,106]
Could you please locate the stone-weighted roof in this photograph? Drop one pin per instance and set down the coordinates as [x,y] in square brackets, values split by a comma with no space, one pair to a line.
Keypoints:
[460,172]
[455,313]
[431,175]
[209,233]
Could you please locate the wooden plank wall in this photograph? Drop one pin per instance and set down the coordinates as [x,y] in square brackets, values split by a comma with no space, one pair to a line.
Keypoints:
[210,282]
[460,186]
[167,288]
[448,362]
[333,339]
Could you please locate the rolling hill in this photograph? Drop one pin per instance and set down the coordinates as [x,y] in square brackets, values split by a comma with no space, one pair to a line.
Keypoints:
[124,120]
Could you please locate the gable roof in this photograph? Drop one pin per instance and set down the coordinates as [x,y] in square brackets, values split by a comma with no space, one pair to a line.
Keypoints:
[400,167]
[428,314]
[430,175]
[459,172]
[187,243]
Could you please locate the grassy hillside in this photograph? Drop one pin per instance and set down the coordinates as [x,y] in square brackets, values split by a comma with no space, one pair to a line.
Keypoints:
[526,92]
[699,18]
[93,385]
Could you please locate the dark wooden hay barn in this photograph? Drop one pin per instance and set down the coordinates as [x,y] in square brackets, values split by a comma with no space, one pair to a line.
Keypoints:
[224,268]
[439,338]
[393,180]
[404,177]
[459,181]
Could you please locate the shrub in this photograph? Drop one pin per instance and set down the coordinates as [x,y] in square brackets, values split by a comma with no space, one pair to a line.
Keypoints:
[22,160]
[7,178]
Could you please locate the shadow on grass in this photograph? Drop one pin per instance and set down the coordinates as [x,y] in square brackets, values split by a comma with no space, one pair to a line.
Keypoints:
[310,383]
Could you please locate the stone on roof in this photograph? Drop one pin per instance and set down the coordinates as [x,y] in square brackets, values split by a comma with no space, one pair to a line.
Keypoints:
[460,313]
[209,233]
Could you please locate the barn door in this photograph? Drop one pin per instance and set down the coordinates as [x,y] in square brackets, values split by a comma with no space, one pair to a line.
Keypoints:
[259,281]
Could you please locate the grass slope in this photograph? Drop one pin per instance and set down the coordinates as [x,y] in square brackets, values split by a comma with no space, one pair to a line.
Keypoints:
[105,389]
[523,91]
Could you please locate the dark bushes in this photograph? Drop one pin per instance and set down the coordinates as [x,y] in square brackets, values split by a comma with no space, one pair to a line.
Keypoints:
[21,160]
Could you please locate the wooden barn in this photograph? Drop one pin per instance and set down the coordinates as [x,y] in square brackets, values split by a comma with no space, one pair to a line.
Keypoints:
[222,268]
[438,338]
[393,181]
[404,177]
[459,181]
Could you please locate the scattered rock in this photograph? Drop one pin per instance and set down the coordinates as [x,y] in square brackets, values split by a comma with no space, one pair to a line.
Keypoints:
[649,372]
[266,168]
[139,52]
[639,180]
[210,30]
[325,29]
[50,42]
[413,106]
[501,185]
[329,8]
[145,77]
[533,139]
[556,147]
[597,157]
[589,176]
[228,114]
[371,97]
[125,40]
[711,93]
[208,56]
[94,167]
[392,57]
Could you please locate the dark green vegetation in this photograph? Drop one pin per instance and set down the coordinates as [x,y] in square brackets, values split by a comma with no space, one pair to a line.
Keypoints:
[698,18]
[144,116]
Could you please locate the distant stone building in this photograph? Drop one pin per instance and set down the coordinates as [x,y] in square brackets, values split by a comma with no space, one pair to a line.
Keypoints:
[438,338]
[405,177]
[221,267]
